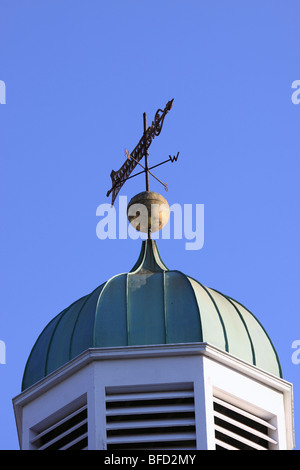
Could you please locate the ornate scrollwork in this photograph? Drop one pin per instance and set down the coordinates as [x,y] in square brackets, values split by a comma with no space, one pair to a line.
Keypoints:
[119,177]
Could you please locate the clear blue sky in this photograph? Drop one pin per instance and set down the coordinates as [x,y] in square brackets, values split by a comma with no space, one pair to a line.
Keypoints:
[79,75]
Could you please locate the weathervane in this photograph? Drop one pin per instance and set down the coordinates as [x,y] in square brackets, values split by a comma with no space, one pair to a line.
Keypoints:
[119,177]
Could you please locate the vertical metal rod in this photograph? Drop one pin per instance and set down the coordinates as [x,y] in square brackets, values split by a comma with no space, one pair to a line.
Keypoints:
[146,167]
[146,153]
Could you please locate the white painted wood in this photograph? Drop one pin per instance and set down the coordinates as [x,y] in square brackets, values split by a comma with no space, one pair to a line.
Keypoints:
[245,413]
[212,372]
[137,438]
[66,433]
[148,396]
[150,410]
[244,427]
[239,438]
[165,401]
[162,423]
[225,445]
[58,423]
[75,441]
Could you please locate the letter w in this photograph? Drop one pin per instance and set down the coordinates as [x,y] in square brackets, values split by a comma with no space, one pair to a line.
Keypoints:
[174,159]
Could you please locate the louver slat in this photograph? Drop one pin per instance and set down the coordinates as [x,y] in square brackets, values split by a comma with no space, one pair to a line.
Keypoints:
[148,395]
[151,419]
[244,413]
[136,438]
[237,429]
[83,437]
[244,427]
[151,424]
[239,438]
[67,433]
[224,445]
[61,436]
[138,410]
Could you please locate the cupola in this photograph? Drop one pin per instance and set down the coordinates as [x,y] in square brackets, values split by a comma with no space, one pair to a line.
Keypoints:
[150,305]
[152,359]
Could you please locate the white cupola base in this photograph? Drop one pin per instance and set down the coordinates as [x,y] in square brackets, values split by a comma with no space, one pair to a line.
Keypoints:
[170,396]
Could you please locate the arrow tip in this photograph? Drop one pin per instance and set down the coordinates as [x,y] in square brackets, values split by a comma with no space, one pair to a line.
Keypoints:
[169,105]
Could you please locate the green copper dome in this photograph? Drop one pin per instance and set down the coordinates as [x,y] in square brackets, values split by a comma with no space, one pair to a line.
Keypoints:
[150,305]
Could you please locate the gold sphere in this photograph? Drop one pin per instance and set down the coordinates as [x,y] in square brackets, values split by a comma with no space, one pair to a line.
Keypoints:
[148,211]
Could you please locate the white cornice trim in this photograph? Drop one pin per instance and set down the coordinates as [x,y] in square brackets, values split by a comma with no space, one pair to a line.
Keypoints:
[163,350]
[154,351]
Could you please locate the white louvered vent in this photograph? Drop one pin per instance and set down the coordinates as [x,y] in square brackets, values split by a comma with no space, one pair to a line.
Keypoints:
[237,429]
[68,432]
[160,417]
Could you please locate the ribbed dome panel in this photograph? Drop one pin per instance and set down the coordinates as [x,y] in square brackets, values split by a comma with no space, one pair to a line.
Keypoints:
[150,305]
[110,327]
[183,317]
